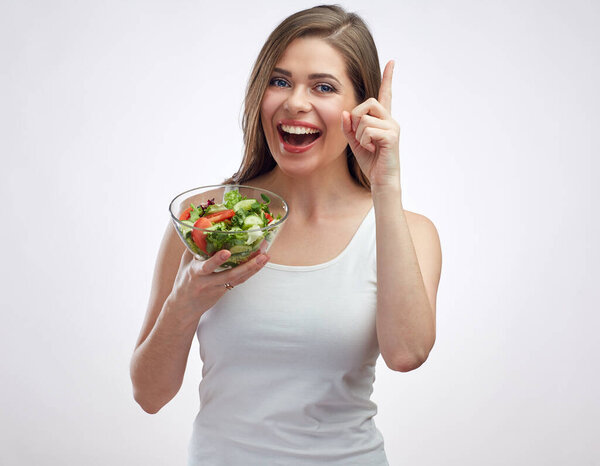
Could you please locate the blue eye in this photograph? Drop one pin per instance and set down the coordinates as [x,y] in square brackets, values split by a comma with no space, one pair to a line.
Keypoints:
[278,82]
[325,88]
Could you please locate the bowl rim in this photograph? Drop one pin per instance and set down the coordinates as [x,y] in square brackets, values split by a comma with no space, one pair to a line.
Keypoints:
[207,188]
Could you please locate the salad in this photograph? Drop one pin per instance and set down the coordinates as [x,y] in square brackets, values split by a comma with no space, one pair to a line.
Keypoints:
[239,225]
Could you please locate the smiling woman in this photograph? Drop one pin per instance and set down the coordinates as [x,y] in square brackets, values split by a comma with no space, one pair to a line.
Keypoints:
[290,339]
[302,106]
[349,36]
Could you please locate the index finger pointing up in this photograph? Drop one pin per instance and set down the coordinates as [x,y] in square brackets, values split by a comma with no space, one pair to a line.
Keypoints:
[385,90]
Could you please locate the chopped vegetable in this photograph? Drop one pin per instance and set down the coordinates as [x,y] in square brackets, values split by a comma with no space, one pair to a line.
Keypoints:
[239,225]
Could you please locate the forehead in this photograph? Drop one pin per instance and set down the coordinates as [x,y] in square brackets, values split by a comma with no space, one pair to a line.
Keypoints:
[313,55]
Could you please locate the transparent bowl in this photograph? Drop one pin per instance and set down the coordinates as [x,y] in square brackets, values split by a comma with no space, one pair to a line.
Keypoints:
[244,236]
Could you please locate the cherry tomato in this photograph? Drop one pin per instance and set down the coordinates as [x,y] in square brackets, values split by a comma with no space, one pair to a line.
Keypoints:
[185,214]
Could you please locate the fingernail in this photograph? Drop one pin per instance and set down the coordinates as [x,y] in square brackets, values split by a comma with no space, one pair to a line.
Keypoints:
[260,260]
[224,254]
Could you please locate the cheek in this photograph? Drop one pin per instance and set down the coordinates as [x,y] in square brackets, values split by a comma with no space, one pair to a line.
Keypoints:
[268,105]
[333,119]
[267,111]
[332,114]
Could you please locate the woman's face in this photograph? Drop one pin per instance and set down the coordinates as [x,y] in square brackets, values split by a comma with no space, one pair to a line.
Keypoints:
[301,110]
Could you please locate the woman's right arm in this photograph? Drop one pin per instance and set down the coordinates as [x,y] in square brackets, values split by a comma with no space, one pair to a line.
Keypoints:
[182,290]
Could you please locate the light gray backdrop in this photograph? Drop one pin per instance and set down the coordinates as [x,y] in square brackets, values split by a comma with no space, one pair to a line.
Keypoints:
[110,108]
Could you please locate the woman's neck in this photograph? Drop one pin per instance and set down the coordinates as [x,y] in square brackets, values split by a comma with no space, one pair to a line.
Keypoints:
[318,195]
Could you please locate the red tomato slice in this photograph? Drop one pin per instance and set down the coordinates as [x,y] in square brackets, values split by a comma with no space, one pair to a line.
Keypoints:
[268,216]
[198,236]
[185,214]
[220,216]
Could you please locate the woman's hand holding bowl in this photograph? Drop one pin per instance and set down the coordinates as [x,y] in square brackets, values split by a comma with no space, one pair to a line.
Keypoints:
[197,287]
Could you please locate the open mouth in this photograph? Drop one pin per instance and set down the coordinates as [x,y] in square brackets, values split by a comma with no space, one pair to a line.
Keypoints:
[298,136]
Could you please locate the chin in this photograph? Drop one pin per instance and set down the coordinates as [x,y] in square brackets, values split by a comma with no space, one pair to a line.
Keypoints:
[295,168]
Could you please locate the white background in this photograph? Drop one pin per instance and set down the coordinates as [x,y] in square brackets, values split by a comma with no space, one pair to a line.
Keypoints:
[108,109]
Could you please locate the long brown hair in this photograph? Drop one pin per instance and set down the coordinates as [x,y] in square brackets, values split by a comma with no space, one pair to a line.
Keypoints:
[344,31]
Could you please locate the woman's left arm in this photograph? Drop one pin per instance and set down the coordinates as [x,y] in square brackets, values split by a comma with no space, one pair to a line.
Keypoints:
[409,260]
[408,272]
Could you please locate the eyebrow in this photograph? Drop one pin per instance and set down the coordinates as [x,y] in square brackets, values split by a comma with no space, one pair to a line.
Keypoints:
[310,76]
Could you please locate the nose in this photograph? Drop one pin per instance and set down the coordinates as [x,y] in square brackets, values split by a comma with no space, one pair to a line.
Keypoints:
[298,100]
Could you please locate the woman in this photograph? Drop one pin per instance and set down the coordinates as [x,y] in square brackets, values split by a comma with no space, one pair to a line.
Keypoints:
[290,339]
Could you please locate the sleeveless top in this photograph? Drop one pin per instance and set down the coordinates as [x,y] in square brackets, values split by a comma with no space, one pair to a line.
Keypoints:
[289,364]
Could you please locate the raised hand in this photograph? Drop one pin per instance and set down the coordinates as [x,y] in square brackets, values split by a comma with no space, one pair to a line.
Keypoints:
[374,136]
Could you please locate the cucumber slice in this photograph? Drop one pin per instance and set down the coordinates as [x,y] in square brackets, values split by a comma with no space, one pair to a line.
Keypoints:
[246,204]
[211,209]
[253,220]
[254,234]
[239,258]
[239,248]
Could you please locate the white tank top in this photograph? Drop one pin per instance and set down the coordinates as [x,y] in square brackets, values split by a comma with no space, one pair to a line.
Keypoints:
[289,363]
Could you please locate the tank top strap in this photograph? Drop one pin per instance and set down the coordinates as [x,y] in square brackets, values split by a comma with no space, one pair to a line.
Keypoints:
[361,251]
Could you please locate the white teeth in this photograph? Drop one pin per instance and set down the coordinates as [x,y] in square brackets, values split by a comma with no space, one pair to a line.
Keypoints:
[299,129]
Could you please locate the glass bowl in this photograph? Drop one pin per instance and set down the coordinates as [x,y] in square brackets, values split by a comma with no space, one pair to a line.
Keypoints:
[242,219]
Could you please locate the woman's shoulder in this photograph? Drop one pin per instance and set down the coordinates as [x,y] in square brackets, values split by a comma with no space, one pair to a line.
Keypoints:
[423,233]
[416,219]
[421,228]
